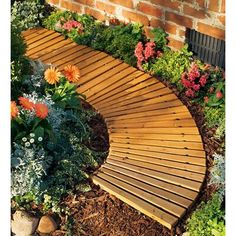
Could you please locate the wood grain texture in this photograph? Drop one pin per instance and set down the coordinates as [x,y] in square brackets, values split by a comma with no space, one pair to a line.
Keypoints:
[156,160]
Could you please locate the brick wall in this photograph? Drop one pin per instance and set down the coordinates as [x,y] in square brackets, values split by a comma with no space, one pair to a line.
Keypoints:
[205,16]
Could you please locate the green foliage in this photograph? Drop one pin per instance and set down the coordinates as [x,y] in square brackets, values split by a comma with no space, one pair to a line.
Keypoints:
[160,38]
[208,219]
[19,63]
[119,41]
[215,117]
[172,64]
[27,14]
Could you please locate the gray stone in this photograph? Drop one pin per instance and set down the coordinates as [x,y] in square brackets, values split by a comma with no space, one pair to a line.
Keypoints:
[47,225]
[23,224]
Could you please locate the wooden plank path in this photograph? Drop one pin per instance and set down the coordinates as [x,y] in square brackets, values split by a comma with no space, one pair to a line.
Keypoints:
[156,160]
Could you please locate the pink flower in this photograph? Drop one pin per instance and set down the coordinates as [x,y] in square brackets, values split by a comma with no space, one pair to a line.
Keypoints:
[203,80]
[149,50]
[219,95]
[211,89]
[196,87]
[138,52]
[190,93]
[69,25]
[186,83]
[58,25]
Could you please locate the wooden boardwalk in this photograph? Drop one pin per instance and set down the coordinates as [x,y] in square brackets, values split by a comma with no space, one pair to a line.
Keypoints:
[156,161]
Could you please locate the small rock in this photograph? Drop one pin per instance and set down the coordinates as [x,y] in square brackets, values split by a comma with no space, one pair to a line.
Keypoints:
[186,234]
[23,224]
[47,225]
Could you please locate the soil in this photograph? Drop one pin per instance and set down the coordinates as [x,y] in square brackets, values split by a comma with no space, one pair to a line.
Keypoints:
[97,213]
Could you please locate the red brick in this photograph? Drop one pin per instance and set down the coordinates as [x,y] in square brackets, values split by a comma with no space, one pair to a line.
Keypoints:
[125,3]
[132,16]
[167,3]
[189,1]
[182,33]
[86,2]
[221,19]
[222,6]
[200,14]
[180,20]
[201,3]
[149,9]
[175,44]
[106,7]
[170,28]
[213,5]
[96,14]
[148,32]
[66,4]
[155,23]
[210,30]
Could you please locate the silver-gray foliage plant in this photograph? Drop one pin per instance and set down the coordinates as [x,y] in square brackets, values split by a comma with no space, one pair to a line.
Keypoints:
[217,173]
[29,166]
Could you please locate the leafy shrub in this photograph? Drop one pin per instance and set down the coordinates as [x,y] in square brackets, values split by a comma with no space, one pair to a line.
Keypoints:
[215,117]
[208,219]
[80,28]
[171,64]
[217,174]
[27,14]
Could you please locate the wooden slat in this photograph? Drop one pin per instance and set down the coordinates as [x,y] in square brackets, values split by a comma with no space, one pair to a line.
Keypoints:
[159,175]
[147,187]
[154,166]
[156,148]
[159,161]
[164,156]
[155,200]
[148,209]
[176,189]
[35,33]
[156,142]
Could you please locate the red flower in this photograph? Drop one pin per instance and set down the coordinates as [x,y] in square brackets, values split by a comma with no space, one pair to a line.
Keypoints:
[26,103]
[190,93]
[41,110]
[196,87]
[203,80]
[219,95]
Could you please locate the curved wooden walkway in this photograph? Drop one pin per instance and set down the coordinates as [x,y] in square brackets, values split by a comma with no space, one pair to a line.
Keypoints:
[156,161]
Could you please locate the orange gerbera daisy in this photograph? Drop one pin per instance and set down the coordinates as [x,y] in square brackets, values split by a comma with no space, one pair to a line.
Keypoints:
[26,103]
[72,73]
[14,110]
[52,75]
[41,110]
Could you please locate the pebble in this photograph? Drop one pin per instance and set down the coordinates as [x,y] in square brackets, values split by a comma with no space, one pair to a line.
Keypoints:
[23,224]
[47,225]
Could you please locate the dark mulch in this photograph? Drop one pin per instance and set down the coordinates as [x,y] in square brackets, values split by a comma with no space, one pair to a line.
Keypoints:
[98,213]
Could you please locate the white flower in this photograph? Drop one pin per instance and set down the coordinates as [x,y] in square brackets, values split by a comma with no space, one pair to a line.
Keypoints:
[40,139]
[31,140]
[27,144]
[24,139]
[32,135]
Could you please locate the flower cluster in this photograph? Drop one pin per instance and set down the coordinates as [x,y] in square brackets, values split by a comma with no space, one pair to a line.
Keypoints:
[40,109]
[71,72]
[145,52]
[193,80]
[72,24]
